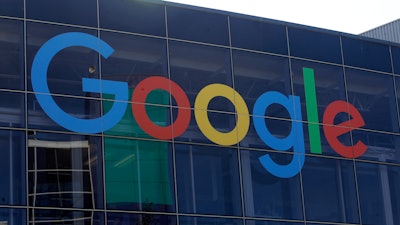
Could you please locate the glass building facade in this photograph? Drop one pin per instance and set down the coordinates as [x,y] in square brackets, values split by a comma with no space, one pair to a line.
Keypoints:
[206,170]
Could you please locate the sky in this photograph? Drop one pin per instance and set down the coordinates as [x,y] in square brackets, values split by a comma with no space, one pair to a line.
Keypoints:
[349,16]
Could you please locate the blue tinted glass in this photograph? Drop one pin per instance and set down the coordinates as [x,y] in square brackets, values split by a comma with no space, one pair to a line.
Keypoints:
[394,181]
[222,122]
[12,8]
[327,149]
[65,171]
[193,132]
[220,103]
[48,216]
[13,216]
[139,175]
[133,16]
[69,66]
[197,26]
[373,95]
[71,12]
[12,168]
[155,109]
[396,59]
[134,59]
[208,180]
[277,127]
[381,147]
[328,79]
[256,74]
[366,54]
[314,45]
[256,35]
[195,66]
[266,222]
[397,90]
[266,195]
[12,54]
[12,111]
[128,126]
[186,220]
[378,198]
[153,219]
[330,180]
[76,107]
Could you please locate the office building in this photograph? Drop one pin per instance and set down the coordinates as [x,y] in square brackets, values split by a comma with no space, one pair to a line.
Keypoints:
[154,113]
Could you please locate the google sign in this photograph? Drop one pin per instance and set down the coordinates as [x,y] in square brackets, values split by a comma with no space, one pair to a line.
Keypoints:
[295,139]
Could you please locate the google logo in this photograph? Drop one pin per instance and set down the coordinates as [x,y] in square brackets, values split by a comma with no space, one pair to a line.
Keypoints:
[294,140]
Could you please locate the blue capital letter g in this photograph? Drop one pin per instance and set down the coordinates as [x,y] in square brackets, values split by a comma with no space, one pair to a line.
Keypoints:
[46,101]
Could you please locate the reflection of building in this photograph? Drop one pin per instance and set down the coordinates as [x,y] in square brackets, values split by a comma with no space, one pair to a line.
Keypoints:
[60,177]
[51,175]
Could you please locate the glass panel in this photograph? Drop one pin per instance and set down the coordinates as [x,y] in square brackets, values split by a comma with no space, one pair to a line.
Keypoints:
[71,12]
[394,181]
[60,159]
[49,178]
[65,216]
[12,54]
[186,220]
[366,54]
[12,168]
[222,104]
[326,148]
[278,128]
[66,70]
[397,91]
[63,199]
[195,66]
[396,59]
[208,180]
[193,132]
[134,59]
[256,74]
[315,45]
[76,107]
[13,216]
[12,8]
[330,181]
[65,171]
[257,35]
[381,207]
[144,219]
[12,111]
[221,122]
[381,147]
[318,223]
[267,195]
[139,175]
[133,16]
[261,222]
[328,79]
[373,95]
[197,26]
[159,116]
